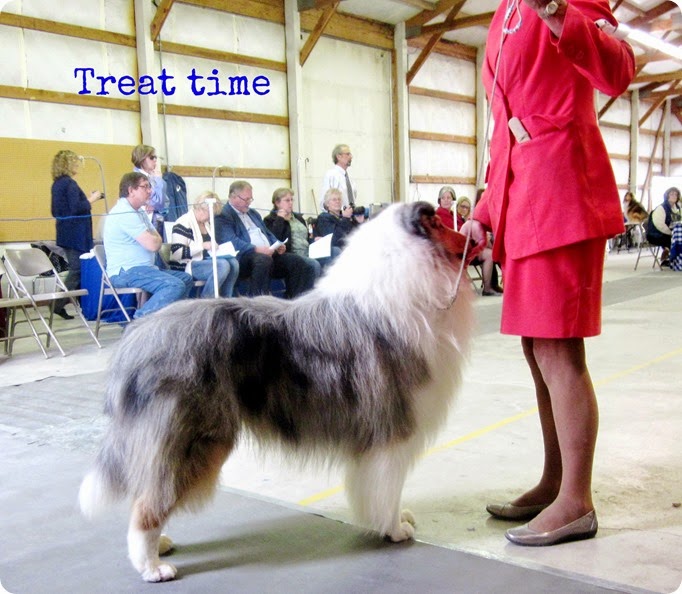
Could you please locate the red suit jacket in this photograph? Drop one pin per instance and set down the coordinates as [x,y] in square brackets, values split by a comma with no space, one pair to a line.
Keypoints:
[557,188]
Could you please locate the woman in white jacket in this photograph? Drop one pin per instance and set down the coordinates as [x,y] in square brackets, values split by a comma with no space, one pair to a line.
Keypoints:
[191,249]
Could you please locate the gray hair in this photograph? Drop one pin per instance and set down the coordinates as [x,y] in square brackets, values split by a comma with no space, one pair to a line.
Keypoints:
[329,193]
[238,186]
[338,149]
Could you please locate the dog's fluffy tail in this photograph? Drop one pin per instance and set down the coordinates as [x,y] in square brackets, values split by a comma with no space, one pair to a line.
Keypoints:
[95,494]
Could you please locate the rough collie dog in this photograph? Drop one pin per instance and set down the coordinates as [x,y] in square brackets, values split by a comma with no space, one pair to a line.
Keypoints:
[361,371]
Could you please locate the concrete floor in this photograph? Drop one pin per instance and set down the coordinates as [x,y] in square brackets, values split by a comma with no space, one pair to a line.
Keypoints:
[490,449]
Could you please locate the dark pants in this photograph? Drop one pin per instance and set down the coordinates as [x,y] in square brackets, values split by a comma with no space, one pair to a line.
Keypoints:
[659,239]
[297,273]
[73,278]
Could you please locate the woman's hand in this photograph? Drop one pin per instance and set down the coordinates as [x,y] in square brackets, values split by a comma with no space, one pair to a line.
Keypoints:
[95,195]
[284,214]
[347,212]
[478,235]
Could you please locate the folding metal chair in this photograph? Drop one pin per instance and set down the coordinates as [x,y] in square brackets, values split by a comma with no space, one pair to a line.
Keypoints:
[107,288]
[11,304]
[644,245]
[30,263]
[477,275]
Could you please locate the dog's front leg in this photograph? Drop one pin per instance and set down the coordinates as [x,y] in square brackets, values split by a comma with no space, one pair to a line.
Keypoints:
[374,485]
[145,542]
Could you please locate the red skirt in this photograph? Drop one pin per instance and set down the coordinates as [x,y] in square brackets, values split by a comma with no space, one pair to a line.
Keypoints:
[555,294]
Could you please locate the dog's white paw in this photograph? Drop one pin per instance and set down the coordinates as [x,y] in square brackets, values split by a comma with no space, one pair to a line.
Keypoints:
[165,544]
[163,572]
[407,516]
[405,532]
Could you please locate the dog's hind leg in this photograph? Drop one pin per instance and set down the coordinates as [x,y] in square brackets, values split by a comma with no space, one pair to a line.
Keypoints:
[374,484]
[194,482]
[144,542]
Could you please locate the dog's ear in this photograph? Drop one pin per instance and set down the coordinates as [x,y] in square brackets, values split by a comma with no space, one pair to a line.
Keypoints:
[419,218]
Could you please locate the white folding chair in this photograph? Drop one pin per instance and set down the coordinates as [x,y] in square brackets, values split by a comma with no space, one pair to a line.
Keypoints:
[10,305]
[644,245]
[33,262]
[107,288]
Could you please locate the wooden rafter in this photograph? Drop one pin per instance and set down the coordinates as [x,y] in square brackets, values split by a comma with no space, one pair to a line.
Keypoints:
[428,15]
[642,21]
[478,20]
[432,42]
[160,17]
[423,4]
[656,104]
[316,33]
[311,4]
[662,77]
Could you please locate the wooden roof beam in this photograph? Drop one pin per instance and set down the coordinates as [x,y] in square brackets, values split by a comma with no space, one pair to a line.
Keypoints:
[162,11]
[428,15]
[656,105]
[641,21]
[316,33]
[479,20]
[311,4]
[431,43]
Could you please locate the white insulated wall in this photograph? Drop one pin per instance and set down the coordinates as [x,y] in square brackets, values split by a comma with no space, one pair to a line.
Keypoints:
[347,99]
[46,61]
[430,114]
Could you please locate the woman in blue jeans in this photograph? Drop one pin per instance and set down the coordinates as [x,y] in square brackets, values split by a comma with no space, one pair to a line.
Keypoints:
[191,249]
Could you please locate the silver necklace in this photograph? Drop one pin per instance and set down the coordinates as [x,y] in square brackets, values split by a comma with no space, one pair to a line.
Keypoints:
[512,7]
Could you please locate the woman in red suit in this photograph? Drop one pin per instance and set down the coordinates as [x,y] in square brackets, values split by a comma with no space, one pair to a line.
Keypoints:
[546,147]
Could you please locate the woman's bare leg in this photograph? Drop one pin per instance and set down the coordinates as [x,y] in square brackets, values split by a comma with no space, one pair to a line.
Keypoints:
[550,481]
[573,407]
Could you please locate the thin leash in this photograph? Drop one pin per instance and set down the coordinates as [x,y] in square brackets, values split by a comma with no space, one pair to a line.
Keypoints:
[512,8]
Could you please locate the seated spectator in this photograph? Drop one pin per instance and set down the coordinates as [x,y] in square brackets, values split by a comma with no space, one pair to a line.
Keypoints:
[191,249]
[131,244]
[446,198]
[287,225]
[659,226]
[334,220]
[258,261]
[484,259]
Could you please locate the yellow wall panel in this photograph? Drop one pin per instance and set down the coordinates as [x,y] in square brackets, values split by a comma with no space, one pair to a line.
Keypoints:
[26,179]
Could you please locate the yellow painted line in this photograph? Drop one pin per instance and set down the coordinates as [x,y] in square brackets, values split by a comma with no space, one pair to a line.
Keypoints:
[480,432]
[321,495]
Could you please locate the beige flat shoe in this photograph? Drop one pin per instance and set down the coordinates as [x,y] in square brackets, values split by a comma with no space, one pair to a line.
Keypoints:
[580,529]
[509,511]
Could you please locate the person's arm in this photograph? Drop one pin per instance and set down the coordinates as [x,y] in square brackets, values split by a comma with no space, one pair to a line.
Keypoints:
[277,225]
[658,219]
[150,240]
[184,246]
[607,62]
[75,197]
[226,230]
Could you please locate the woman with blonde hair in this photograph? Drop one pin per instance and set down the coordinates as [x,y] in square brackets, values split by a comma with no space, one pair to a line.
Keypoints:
[484,259]
[71,208]
[191,248]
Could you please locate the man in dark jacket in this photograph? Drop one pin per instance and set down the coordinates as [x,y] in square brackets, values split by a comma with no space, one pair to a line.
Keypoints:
[259,259]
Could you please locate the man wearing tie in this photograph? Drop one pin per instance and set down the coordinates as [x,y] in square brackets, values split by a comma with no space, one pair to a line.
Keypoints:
[337,176]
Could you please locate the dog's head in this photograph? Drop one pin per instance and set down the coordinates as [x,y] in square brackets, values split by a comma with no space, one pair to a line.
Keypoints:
[421,219]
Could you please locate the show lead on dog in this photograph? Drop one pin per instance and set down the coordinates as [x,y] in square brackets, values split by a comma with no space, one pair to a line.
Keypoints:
[552,202]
